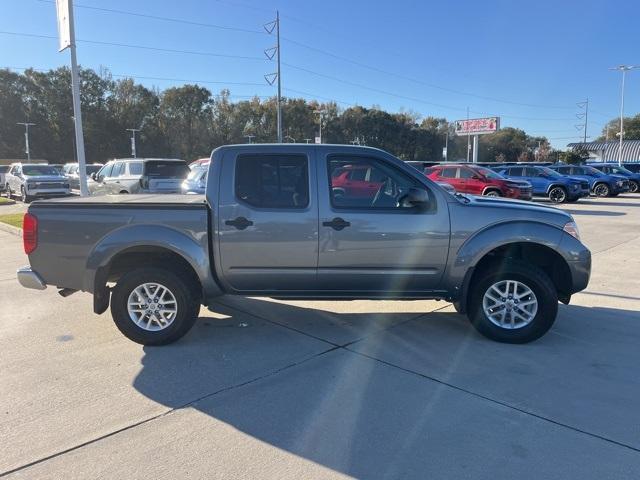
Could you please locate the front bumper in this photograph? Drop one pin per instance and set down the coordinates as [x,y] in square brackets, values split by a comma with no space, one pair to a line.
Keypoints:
[34,192]
[30,279]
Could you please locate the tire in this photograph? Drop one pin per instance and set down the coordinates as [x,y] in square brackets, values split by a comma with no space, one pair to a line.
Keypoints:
[23,195]
[558,194]
[544,294]
[633,186]
[180,287]
[492,193]
[7,191]
[601,190]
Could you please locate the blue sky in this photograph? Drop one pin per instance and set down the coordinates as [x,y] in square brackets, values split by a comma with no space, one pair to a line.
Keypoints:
[529,62]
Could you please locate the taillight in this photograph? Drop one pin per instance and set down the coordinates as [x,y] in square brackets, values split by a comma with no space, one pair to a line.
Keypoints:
[29,233]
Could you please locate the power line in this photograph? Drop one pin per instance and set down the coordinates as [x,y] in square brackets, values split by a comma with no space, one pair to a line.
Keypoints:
[135,76]
[315,49]
[157,17]
[413,99]
[141,47]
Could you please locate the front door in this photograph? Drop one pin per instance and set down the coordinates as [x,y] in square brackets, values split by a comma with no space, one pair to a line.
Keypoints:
[268,222]
[374,244]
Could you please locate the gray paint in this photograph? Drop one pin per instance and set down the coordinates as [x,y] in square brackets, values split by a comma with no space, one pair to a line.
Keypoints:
[287,253]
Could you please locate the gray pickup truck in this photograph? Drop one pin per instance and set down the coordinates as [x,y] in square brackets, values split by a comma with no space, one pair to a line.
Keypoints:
[307,222]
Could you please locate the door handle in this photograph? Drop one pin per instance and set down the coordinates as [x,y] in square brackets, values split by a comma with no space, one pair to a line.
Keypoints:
[337,224]
[240,223]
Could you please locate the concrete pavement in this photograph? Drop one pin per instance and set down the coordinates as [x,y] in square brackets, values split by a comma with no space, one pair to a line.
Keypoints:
[366,389]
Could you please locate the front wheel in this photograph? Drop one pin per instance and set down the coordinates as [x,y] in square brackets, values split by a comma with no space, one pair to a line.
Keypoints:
[516,303]
[633,186]
[601,190]
[492,193]
[558,195]
[154,306]
[7,191]
[23,195]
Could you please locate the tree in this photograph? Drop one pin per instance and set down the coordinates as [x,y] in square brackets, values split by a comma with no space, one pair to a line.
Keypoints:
[631,128]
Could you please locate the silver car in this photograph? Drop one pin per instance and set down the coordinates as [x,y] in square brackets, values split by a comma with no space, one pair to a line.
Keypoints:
[139,175]
[4,169]
[72,170]
[30,181]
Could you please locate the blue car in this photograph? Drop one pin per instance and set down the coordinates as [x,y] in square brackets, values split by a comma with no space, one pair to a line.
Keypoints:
[615,169]
[601,184]
[548,183]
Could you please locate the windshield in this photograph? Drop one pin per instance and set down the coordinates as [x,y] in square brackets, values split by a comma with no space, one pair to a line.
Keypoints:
[167,169]
[196,172]
[35,170]
[489,173]
[621,170]
[550,173]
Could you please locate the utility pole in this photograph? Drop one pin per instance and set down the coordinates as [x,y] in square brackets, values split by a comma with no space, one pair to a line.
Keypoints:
[320,114]
[624,69]
[26,137]
[67,39]
[272,77]
[584,115]
[133,140]
[446,146]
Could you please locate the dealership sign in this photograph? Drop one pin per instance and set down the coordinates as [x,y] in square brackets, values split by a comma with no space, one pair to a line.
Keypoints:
[477,126]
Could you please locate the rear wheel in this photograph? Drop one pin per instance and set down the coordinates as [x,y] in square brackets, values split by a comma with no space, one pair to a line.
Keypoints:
[516,303]
[601,190]
[154,306]
[558,195]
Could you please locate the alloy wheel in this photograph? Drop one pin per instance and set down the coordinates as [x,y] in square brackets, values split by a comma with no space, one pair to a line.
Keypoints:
[601,190]
[510,304]
[152,306]
[557,195]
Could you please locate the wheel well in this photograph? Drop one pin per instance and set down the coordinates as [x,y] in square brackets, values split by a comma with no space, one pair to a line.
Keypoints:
[137,257]
[492,188]
[556,185]
[541,256]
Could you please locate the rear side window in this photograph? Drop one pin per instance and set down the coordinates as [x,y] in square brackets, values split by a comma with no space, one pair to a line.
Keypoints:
[516,172]
[273,181]
[160,169]
[135,168]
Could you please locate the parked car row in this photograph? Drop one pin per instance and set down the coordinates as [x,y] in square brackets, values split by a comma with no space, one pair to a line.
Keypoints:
[558,182]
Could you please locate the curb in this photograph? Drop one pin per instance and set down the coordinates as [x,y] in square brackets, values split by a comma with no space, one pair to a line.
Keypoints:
[10,229]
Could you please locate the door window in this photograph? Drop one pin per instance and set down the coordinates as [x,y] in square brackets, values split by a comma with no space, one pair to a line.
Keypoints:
[465,173]
[448,173]
[273,181]
[118,170]
[382,186]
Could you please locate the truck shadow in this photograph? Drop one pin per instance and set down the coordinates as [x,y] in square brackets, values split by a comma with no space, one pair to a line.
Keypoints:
[373,409]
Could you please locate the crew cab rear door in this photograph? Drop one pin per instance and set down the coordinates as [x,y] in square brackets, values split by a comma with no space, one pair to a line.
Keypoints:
[372,245]
[268,221]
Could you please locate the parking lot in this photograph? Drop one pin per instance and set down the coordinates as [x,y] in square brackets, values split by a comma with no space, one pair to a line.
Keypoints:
[365,389]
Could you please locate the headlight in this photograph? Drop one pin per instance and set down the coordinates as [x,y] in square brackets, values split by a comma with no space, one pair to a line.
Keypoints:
[572,229]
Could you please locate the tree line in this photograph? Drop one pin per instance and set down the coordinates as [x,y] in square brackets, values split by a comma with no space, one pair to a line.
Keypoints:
[189,121]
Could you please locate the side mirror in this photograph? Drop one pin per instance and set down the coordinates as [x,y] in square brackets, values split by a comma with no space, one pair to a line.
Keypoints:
[475,177]
[415,197]
[94,176]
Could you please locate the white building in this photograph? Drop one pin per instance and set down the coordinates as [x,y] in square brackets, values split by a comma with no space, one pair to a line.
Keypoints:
[608,151]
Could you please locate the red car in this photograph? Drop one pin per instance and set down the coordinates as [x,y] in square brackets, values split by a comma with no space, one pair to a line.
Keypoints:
[357,181]
[479,181]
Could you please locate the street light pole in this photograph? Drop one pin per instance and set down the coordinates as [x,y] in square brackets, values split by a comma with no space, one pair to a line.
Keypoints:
[624,69]
[26,137]
[320,114]
[133,140]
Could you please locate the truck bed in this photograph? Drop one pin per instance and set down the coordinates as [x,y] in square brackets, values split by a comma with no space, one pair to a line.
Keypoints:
[76,235]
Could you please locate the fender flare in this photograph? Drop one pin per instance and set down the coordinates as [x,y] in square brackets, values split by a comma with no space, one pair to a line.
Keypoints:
[140,235]
[477,246]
